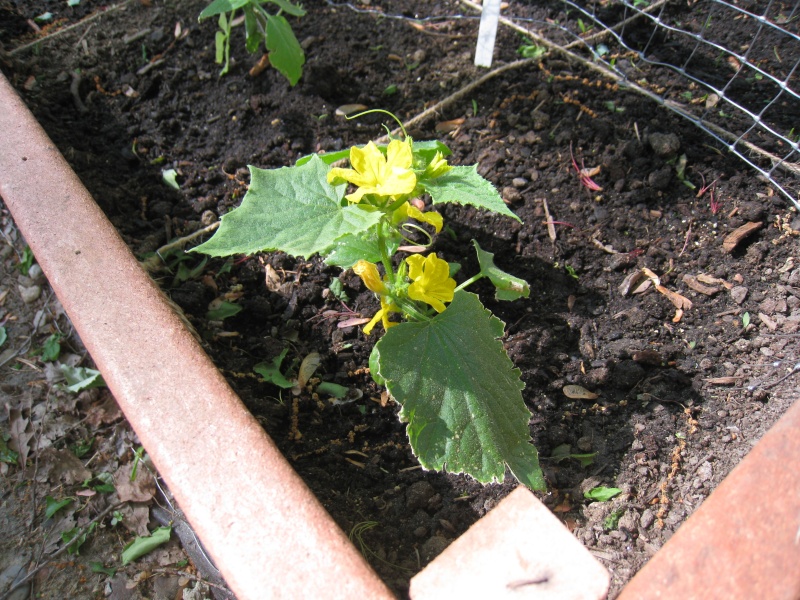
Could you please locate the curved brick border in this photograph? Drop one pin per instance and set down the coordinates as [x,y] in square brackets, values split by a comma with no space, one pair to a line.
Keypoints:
[267,533]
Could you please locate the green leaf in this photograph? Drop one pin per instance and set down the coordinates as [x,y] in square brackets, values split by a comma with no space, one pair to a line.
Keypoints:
[351,248]
[26,261]
[272,372]
[7,455]
[143,545]
[51,349]
[98,567]
[82,447]
[223,311]
[508,286]
[333,389]
[285,53]
[460,393]
[293,209]
[221,6]
[463,185]
[612,521]
[52,506]
[3,335]
[602,494]
[289,8]
[74,539]
[81,378]
[169,177]
[336,288]
[252,29]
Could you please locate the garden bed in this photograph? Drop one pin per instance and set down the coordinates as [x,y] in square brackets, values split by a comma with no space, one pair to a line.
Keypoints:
[126,95]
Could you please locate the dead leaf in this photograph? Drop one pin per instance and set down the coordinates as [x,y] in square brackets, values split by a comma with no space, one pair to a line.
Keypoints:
[61,466]
[636,282]
[578,393]
[680,302]
[136,517]
[352,322]
[307,368]
[105,412]
[709,280]
[21,434]
[348,109]
[448,126]
[694,283]
[737,235]
[551,229]
[141,489]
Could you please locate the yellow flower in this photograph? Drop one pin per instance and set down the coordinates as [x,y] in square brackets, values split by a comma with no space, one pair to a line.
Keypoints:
[370,276]
[431,217]
[437,167]
[432,281]
[374,173]
[382,315]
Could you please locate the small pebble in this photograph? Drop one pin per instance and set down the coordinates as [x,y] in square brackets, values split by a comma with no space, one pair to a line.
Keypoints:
[30,294]
[739,293]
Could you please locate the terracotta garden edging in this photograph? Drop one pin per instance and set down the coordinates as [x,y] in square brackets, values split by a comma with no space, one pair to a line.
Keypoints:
[266,531]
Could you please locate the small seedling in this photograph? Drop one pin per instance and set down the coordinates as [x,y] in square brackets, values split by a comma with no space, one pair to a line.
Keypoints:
[145,544]
[612,521]
[26,261]
[273,30]
[531,50]
[52,506]
[745,320]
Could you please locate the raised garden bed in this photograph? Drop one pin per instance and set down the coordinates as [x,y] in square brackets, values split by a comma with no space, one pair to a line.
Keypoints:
[123,99]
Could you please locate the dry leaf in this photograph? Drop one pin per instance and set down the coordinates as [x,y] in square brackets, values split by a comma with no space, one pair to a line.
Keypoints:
[694,283]
[737,235]
[61,466]
[21,434]
[680,302]
[551,229]
[141,489]
[352,322]
[578,393]
[261,66]
[709,280]
[448,126]
[307,368]
[348,109]
[136,517]
[636,282]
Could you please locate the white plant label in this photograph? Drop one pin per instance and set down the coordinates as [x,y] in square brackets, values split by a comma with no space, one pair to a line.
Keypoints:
[487,33]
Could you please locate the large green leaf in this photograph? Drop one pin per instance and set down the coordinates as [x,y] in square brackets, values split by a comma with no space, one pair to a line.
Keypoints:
[285,53]
[460,393]
[508,286]
[463,185]
[293,209]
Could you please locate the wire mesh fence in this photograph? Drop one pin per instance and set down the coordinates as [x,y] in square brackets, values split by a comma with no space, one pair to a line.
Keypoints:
[734,66]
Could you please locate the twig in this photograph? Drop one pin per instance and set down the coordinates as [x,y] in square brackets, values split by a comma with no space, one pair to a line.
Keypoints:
[80,23]
[193,577]
[60,551]
[456,96]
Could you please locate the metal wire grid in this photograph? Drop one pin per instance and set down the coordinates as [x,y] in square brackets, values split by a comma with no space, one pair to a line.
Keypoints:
[738,67]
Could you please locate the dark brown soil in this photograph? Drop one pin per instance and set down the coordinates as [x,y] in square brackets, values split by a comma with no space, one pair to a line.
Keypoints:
[680,401]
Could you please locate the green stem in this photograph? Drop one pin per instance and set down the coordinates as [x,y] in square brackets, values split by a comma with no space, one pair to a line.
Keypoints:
[386,260]
[469,282]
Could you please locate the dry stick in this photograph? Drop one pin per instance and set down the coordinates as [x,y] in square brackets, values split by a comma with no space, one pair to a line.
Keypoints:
[80,23]
[193,577]
[671,104]
[60,551]
[454,97]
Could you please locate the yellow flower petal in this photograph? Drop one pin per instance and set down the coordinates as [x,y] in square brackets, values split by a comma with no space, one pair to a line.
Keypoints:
[374,173]
[370,276]
[431,217]
[432,283]
[383,316]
